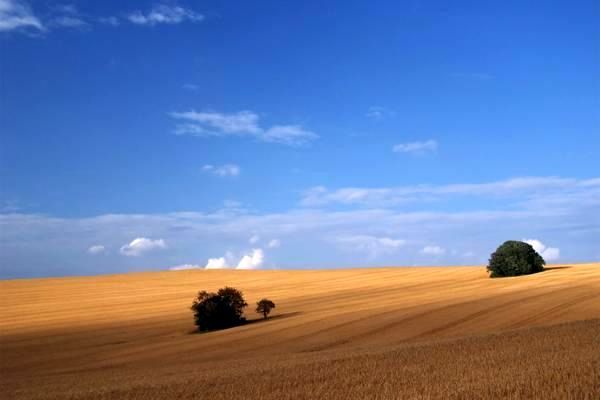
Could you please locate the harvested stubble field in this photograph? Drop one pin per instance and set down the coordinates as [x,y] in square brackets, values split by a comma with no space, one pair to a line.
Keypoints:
[386,333]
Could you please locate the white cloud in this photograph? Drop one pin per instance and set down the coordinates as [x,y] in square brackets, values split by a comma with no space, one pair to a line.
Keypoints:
[223,170]
[96,249]
[68,21]
[184,267]
[15,14]
[433,250]
[559,210]
[547,190]
[274,243]
[67,16]
[242,123]
[291,135]
[164,14]
[372,245]
[252,261]
[548,253]
[216,263]
[142,245]
[430,146]
[254,239]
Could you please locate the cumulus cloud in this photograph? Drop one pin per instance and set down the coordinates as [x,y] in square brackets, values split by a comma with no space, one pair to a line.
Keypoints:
[15,15]
[252,261]
[96,249]
[142,245]
[164,14]
[274,243]
[433,250]
[223,170]
[184,267]
[548,253]
[216,263]
[428,146]
[242,123]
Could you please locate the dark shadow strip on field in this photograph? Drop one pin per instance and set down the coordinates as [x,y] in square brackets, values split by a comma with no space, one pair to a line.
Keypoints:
[274,317]
[250,322]
[561,267]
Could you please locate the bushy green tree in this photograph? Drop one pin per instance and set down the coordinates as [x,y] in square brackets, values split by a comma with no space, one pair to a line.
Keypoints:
[220,310]
[264,307]
[515,258]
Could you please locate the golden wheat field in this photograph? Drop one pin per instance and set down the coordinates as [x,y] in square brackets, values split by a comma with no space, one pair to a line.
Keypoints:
[381,333]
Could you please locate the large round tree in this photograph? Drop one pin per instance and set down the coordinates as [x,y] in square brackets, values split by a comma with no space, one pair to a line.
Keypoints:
[220,310]
[515,258]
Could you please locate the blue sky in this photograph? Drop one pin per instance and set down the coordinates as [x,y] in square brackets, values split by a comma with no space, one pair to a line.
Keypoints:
[270,134]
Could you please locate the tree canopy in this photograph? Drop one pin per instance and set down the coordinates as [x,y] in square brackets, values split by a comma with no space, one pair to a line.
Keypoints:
[515,258]
[264,307]
[220,310]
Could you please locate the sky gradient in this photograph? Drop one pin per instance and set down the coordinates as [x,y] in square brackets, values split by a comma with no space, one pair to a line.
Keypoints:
[269,134]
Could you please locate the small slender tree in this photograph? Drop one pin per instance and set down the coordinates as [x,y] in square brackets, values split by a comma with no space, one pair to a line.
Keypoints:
[264,307]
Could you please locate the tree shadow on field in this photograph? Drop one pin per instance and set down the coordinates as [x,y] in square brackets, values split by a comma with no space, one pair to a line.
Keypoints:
[249,322]
[559,267]
[277,316]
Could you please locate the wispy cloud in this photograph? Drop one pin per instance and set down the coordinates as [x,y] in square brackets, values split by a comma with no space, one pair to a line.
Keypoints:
[164,14]
[378,113]
[428,146]
[433,250]
[559,210]
[96,249]
[67,16]
[140,246]
[547,190]
[254,239]
[183,267]
[67,21]
[242,123]
[223,170]
[112,20]
[17,15]
[274,243]
[190,86]
[372,245]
